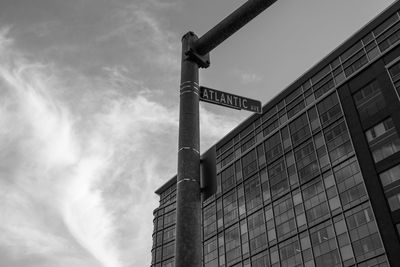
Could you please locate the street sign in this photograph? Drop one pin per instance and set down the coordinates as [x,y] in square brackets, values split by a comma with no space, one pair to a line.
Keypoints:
[229,100]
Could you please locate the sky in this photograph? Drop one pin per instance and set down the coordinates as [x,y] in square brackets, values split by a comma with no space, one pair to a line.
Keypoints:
[89,111]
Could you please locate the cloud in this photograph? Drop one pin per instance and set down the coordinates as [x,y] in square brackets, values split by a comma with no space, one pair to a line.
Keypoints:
[139,27]
[79,163]
[48,164]
[5,41]
[247,77]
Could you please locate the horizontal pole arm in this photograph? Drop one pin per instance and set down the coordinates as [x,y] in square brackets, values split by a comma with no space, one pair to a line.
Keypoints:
[230,25]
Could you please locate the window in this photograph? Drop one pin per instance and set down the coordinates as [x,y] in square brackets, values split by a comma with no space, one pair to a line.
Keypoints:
[261,156]
[260,260]
[284,217]
[379,129]
[380,261]
[253,193]
[169,218]
[230,207]
[351,51]
[246,131]
[329,109]
[169,234]
[267,115]
[394,202]
[232,244]
[269,218]
[314,120]
[398,228]
[157,239]
[394,72]
[350,183]
[249,163]
[306,249]
[248,142]
[257,232]
[372,50]
[168,263]
[241,201]
[295,107]
[389,38]
[324,246]
[211,253]
[286,138]
[265,186]
[390,176]
[168,250]
[386,24]
[343,240]
[278,178]
[299,210]
[293,95]
[369,100]
[228,178]
[245,238]
[238,171]
[273,147]
[323,86]
[363,232]
[338,74]
[355,63]
[299,129]
[270,125]
[226,146]
[290,253]
[227,157]
[338,142]
[291,169]
[306,160]
[220,215]
[320,74]
[221,248]
[383,140]
[315,202]
[158,254]
[331,191]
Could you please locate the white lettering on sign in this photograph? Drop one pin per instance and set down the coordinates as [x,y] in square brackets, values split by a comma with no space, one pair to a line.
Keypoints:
[223,98]
[229,100]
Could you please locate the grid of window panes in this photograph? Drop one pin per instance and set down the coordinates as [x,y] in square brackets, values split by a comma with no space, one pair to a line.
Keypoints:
[298,146]
[369,100]
[292,196]
[380,40]
[383,139]
[390,180]
[164,230]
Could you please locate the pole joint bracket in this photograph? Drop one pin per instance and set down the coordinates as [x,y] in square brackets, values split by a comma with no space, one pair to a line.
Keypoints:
[203,61]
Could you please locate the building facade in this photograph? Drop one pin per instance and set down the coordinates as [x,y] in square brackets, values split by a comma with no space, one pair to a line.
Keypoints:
[315,179]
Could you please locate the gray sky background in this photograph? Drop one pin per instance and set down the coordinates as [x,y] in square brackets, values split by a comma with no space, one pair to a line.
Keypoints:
[89,111]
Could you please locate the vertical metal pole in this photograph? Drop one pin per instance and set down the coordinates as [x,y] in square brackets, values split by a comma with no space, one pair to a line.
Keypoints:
[188,205]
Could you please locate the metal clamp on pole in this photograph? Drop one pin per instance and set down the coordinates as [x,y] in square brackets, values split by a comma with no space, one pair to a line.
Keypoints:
[201,61]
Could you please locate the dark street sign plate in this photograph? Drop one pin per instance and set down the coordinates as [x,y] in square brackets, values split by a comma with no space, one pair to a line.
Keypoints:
[229,100]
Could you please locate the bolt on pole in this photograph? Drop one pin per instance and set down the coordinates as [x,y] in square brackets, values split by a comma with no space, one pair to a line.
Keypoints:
[188,243]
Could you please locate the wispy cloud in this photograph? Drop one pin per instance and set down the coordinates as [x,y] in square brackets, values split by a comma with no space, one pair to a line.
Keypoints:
[80,162]
[246,77]
[139,27]
[50,178]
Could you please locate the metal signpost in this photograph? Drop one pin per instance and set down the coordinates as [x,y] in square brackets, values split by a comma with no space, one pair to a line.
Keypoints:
[188,245]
